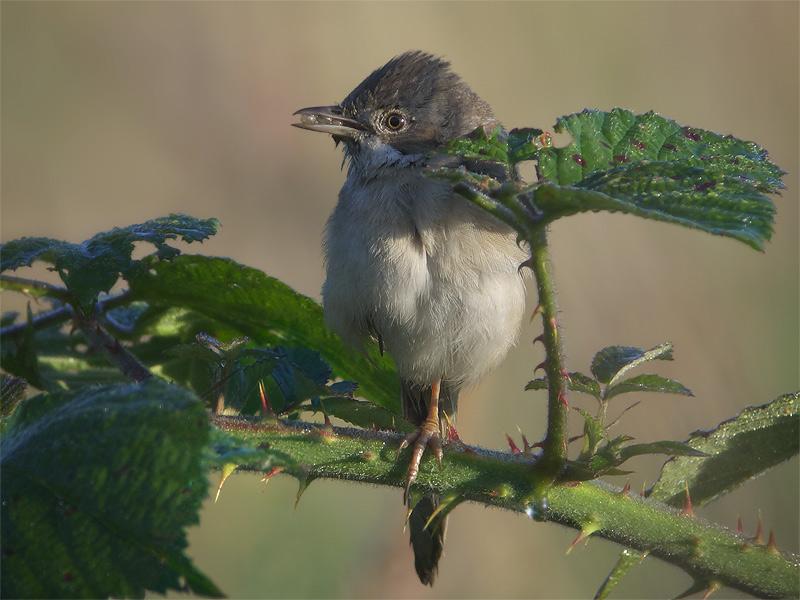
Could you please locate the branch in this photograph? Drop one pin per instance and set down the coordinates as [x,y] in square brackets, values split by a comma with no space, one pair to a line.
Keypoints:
[58,315]
[115,352]
[555,444]
[707,551]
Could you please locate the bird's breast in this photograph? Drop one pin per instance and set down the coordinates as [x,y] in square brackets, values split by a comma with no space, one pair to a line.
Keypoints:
[433,276]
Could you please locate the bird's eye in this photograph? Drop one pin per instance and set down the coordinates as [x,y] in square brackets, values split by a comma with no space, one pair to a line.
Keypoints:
[394,121]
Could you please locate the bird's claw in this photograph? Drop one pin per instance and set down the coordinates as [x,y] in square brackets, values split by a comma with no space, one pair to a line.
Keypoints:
[427,435]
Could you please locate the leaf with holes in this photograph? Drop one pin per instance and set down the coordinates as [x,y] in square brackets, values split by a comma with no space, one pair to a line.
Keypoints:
[645,165]
[652,167]
[98,488]
[603,141]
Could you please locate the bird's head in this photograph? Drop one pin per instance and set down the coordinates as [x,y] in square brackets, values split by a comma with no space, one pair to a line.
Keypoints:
[409,106]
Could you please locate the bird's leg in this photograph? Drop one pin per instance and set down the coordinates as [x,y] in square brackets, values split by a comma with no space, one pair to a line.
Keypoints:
[427,434]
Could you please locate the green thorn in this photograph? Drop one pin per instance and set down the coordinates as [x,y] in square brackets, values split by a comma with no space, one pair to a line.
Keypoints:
[227,470]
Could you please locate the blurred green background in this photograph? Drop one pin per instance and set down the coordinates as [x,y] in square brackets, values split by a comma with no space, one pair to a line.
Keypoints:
[113,113]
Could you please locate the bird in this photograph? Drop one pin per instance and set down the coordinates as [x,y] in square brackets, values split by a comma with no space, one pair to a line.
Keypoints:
[409,264]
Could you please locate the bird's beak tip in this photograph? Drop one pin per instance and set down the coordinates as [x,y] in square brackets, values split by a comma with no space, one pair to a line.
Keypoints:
[327,119]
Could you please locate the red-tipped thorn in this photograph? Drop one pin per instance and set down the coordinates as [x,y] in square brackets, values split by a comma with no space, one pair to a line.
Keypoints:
[562,396]
[539,338]
[578,539]
[772,547]
[565,375]
[759,536]
[452,432]
[514,448]
[584,534]
[627,489]
[541,366]
[535,312]
[266,409]
[271,473]
[687,510]
[739,525]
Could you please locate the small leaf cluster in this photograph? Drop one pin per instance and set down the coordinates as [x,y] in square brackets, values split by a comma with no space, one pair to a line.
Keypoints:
[602,454]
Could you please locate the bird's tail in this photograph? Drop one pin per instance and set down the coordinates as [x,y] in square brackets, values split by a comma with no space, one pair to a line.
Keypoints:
[427,542]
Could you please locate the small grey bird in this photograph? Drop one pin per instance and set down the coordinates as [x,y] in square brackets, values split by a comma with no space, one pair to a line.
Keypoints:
[430,277]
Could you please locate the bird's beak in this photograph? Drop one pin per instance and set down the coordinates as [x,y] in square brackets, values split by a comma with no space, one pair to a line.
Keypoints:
[328,119]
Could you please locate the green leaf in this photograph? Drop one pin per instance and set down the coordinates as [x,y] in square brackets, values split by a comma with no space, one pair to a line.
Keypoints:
[738,449]
[524,144]
[652,167]
[95,265]
[613,362]
[54,359]
[268,312]
[711,201]
[19,356]
[645,165]
[663,447]
[363,414]
[98,488]
[12,391]
[593,434]
[481,144]
[647,383]
[537,384]
[578,382]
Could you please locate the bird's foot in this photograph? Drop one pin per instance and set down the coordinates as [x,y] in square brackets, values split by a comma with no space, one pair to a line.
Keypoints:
[427,435]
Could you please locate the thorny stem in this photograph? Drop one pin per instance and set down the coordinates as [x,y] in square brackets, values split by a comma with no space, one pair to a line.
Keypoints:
[554,453]
[115,352]
[706,551]
[59,315]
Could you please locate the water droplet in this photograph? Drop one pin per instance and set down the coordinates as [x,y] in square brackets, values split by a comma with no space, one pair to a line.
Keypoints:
[537,510]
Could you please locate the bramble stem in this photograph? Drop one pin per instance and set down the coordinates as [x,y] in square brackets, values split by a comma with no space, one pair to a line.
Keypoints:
[60,315]
[706,551]
[115,352]
[554,447]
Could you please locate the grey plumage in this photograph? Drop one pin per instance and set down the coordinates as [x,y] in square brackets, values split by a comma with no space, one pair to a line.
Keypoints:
[409,263]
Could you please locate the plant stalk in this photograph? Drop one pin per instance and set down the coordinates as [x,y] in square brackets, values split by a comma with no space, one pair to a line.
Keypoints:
[554,447]
[59,315]
[116,353]
[708,552]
